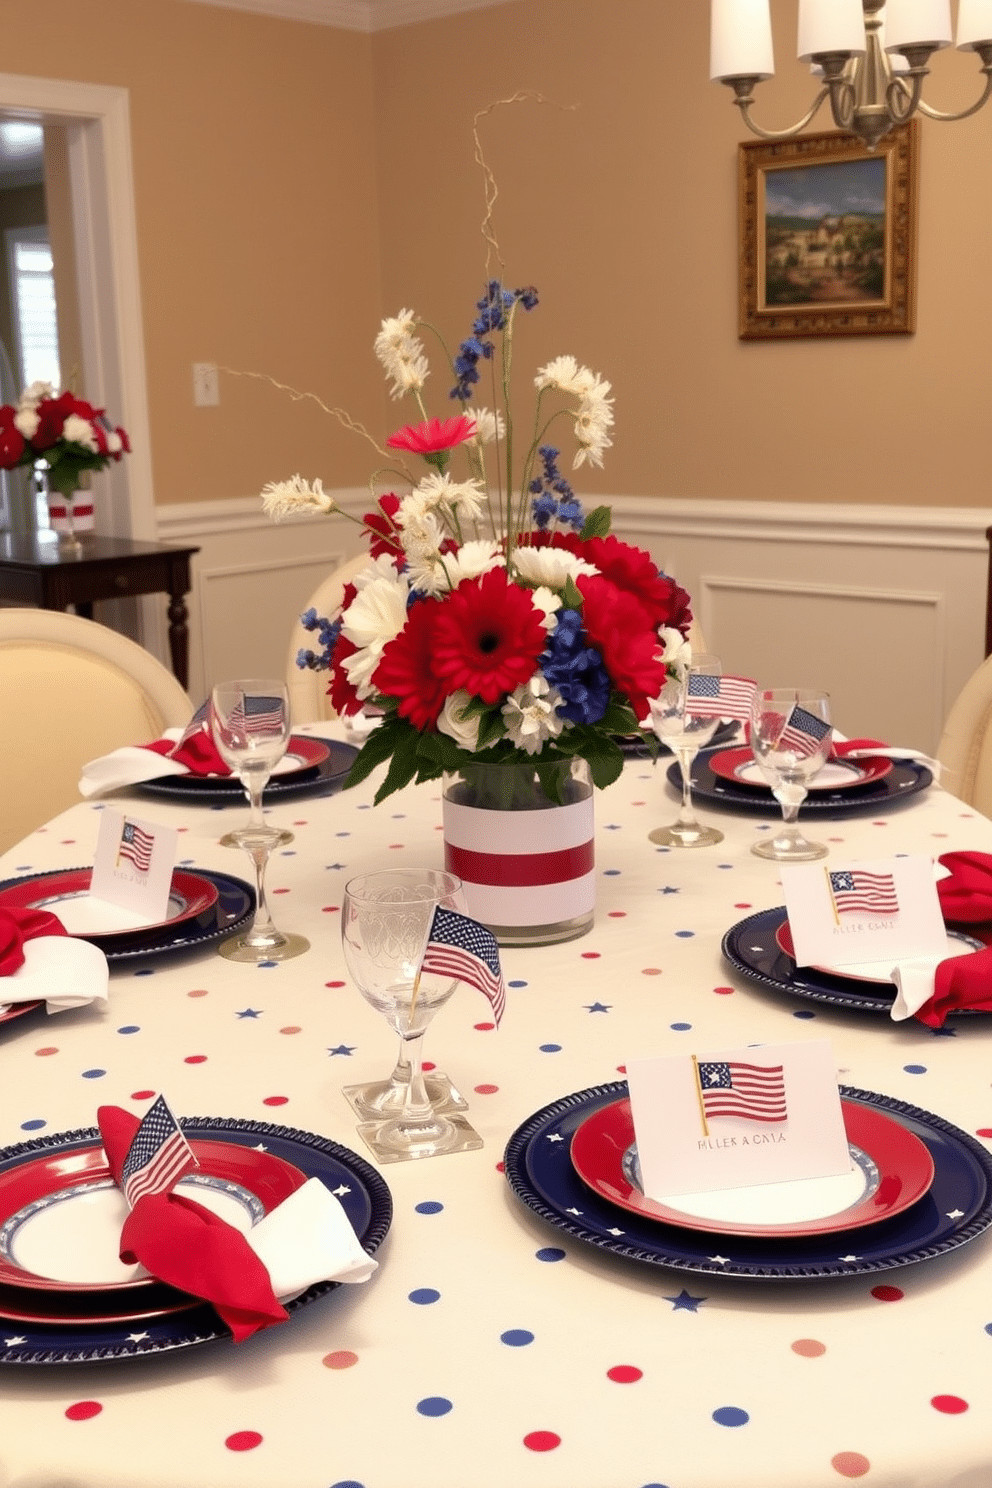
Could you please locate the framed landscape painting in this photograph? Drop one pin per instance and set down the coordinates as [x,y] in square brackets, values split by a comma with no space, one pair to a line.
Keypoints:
[828,236]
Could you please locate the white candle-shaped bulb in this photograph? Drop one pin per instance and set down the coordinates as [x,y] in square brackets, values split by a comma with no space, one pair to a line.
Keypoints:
[740,39]
[917,21]
[974,23]
[830,26]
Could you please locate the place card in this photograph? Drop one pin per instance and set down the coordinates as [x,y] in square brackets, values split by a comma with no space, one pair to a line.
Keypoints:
[133,866]
[768,1113]
[878,909]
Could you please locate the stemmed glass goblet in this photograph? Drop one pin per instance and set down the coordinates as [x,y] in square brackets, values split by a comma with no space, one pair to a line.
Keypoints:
[790,740]
[685,732]
[386,920]
[249,720]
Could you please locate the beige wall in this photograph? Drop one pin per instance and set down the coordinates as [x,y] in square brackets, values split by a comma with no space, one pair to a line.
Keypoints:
[294,182]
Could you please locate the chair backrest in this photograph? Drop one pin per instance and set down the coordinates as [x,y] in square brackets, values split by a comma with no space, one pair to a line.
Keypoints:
[71,690]
[965,748]
[308,700]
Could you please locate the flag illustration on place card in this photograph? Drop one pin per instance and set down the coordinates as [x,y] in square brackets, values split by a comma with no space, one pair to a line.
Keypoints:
[854,891]
[158,1156]
[803,732]
[755,1092]
[719,697]
[462,949]
[136,846]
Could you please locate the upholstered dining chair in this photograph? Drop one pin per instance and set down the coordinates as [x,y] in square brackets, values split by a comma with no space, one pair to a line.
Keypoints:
[308,700]
[965,748]
[72,690]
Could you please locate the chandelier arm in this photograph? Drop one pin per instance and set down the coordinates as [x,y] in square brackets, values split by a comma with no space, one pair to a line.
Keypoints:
[902,96]
[744,99]
[932,113]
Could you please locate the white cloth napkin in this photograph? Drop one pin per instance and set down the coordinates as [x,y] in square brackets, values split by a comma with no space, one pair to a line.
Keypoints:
[309,1238]
[893,751]
[129,766]
[60,971]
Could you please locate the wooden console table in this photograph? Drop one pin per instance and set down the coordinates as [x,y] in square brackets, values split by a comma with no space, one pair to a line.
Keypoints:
[34,572]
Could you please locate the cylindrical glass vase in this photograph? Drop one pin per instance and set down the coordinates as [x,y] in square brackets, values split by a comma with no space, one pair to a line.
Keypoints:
[525,855]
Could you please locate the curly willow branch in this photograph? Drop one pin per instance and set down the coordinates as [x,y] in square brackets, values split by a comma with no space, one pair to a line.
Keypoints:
[343,417]
[489,180]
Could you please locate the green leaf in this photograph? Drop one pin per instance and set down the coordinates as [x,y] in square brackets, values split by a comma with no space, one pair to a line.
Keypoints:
[402,769]
[571,595]
[597,523]
[491,728]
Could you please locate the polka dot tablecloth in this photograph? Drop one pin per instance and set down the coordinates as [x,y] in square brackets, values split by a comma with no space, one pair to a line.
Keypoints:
[491,1349]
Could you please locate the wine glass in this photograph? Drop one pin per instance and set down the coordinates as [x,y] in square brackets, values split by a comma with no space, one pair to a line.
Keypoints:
[249,720]
[386,920]
[685,732]
[790,740]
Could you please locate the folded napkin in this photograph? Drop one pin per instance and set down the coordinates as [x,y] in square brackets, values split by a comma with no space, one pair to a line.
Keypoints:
[931,987]
[874,749]
[38,959]
[189,751]
[305,1239]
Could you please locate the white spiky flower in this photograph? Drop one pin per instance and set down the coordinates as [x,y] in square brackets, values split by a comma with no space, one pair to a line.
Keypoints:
[566,375]
[530,716]
[489,425]
[402,354]
[284,498]
[592,422]
[549,566]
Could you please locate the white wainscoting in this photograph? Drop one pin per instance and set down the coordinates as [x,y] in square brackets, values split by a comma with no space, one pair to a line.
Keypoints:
[883,606]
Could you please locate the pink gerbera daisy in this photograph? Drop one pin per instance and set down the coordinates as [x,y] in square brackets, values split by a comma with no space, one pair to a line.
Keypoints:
[433,436]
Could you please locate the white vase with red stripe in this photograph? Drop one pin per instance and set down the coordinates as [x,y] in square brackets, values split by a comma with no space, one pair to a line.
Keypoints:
[523,849]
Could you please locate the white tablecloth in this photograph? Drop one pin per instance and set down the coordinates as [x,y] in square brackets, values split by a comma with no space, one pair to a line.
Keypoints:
[490,1349]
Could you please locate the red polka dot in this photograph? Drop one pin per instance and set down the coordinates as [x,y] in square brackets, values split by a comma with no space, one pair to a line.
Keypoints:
[742,906]
[724,991]
[428,1065]
[394,845]
[501,1166]
[880,824]
[84,1410]
[835,839]
[983,1131]
[198,992]
[340,1359]
[280,891]
[330,909]
[949,1405]
[243,1441]
[299,824]
[617,914]
[182,829]
[483,1027]
[590,955]
[809,1348]
[650,971]
[142,1094]
[275,1100]
[887,1293]
[850,1464]
[291,1028]
[485,1089]
[195,1059]
[939,834]
[624,1374]
[46,1050]
[621,1069]
[542,1441]
[68,841]
[335,984]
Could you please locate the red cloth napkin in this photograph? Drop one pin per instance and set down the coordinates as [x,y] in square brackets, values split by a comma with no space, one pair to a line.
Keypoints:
[966,901]
[19,925]
[961,982]
[182,1243]
[197,751]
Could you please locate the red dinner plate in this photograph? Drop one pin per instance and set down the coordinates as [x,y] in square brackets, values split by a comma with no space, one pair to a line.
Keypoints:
[301,754]
[896,1165]
[189,896]
[53,1179]
[728,763]
[16,1009]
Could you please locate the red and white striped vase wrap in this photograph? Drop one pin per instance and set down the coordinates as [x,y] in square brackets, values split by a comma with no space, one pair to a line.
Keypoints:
[526,861]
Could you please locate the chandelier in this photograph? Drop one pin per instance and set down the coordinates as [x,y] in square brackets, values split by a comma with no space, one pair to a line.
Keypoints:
[871,54]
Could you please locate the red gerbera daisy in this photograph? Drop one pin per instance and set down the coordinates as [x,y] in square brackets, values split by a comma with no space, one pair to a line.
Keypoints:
[618,627]
[635,572]
[433,435]
[406,670]
[381,526]
[488,637]
[341,690]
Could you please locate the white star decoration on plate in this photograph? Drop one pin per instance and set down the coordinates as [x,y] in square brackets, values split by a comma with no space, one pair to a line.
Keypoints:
[341,1190]
[136,1337]
[10,1342]
[955,1214]
[849,1260]
[555,1137]
[719,1260]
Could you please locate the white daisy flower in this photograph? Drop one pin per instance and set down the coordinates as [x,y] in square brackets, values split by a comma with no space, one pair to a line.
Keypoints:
[402,354]
[593,419]
[465,498]
[565,374]
[32,396]
[283,498]
[549,603]
[374,617]
[464,731]
[80,431]
[529,714]
[473,558]
[488,425]
[675,648]
[549,566]
[422,537]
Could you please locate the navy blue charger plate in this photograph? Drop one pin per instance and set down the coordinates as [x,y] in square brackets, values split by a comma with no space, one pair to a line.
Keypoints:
[957,1207]
[228,790]
[363,1194]
[906,779]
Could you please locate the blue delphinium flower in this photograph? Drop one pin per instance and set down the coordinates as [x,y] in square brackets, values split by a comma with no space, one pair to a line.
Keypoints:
[493,309]
[555,500]
[327,635]
[576,670]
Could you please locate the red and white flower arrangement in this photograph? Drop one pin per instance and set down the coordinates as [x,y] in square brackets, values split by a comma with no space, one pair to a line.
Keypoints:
[66,433]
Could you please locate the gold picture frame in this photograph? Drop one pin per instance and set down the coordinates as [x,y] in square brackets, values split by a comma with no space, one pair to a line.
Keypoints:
[828,235]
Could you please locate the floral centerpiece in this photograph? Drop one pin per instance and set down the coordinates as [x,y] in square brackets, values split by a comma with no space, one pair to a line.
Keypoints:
[68,434]
[495,620]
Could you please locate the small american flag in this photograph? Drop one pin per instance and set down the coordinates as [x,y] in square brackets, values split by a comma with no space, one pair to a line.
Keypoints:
[465,950]
[855,891]
[719,697]
[803,732]
[753,1091]
[158,1156]
[198,724]
[258,714]
[136,845]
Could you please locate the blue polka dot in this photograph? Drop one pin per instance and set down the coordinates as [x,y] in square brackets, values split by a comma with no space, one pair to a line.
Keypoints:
[33,1125]
[348,1483]
[550,1253]
[516,1337]
[725,865]
[915,1069]
[94,1074]
[804,1013]
[680,1027]
[146,971]
[516,984]
[434,1405]
[988,1328]
[424,1296]
[429,1206]
[685,934]
[611,872]
[130,1028]
[266,965]
[730,1415]
[289,852]
[550,1048]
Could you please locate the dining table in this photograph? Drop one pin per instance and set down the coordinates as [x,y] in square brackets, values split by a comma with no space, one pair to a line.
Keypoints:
[519,1328]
